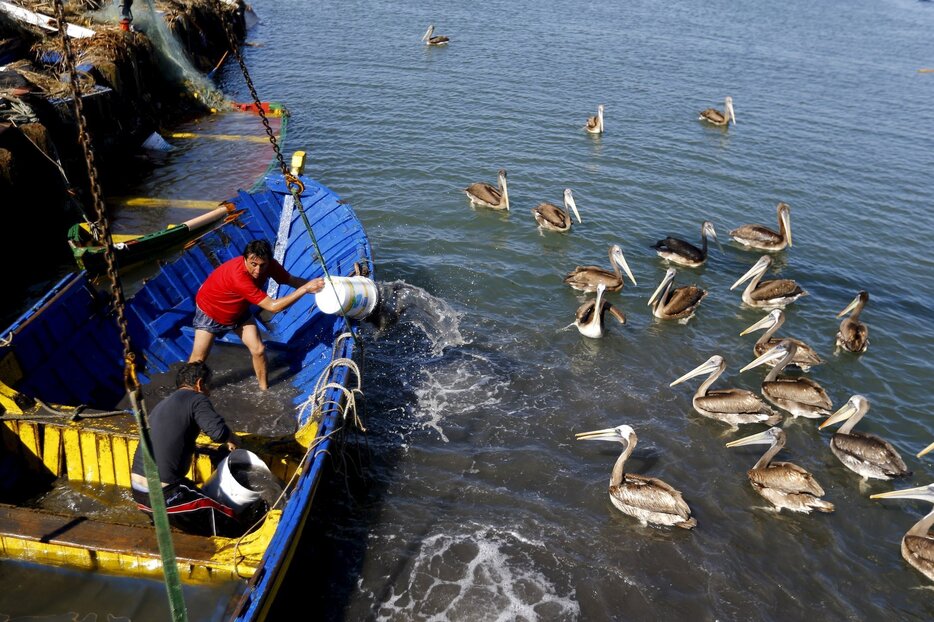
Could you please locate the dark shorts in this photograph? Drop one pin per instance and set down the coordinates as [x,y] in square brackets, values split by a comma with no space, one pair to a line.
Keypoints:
[203,321]
[192,511]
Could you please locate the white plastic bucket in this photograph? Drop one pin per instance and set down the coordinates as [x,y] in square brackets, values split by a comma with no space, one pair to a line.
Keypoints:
[224,486]
[356,296]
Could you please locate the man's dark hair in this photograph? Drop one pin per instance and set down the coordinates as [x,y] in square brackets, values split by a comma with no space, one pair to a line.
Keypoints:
[191,373]
[260,248]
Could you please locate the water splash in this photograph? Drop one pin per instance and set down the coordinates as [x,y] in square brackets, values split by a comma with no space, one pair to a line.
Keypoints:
[411,305]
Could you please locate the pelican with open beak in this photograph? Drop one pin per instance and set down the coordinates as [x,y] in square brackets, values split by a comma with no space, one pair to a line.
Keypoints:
[675,304]
[553,218]
[805,355]
[853,335]
[590,316]
[715,117]
[783,484]
[485,195]
[774,293]
[732,406]
[917,543]
[684,253]
[800,396]
[595,124]
[762,238]
[864,454]
[587,278]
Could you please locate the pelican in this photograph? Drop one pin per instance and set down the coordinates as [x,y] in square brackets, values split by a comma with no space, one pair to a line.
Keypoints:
[586,278]
[917,545]
[554,218]
[485,195]
[771,293]
[590,315]
[595,124]
[763,238]
[732,406]
[783,484]
[853,334]
[648,499]
[864,454]
[925,450]
[684,253]
[431,39]
[675,304]
[714,116]
[802,397]
[805,356]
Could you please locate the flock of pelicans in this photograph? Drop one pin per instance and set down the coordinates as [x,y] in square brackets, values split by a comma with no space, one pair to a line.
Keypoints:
[783,484]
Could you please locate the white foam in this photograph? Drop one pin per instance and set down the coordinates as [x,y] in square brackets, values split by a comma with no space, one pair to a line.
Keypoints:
[459,388]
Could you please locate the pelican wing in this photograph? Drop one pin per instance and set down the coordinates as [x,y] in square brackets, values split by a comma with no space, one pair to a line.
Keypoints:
[551,216]
[586,278]
[714,116]
[853,335]
[776,288]
[756,233]
[683,300]
[800,390]
[484,192]
[614,311]
[919,552]
[438,40]
[585,312]
[870,448]
[674,246]
[786,477]
[804,354]
[652,494]
[593,123]
[732,401]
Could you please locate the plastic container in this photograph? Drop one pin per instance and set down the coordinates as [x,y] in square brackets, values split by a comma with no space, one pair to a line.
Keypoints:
[356,296]
[224,486]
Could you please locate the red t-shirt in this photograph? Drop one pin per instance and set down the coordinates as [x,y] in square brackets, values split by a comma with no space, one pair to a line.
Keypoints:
[227,293]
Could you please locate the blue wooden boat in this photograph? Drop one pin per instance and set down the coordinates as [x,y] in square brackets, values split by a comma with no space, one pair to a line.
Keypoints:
[62,382]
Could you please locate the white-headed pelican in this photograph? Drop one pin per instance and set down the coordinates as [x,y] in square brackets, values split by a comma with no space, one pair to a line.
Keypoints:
[431,39]
[684,253]
[762,238]
[774,293]
[595,123]
[853,335]
[800,396]
[715,117]
[589,318]
[485,195]
[677,303]
[783,484]
[586,278]
[864,454]
[552,217]
[732,406]
[805,355]
[917,544]
[648,499]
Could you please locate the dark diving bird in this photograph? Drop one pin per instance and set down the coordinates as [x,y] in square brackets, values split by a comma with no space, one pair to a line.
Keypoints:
[648,499]
[917,543]
[677,303]
[553,218]
[783,484]
[805,355]
[800,396]
[774,293]
[853,335]
[595,124]
[733,406]
[762,238]
[586,278]
[716,117]
[485,195]
[684,253]
[864,454]
[590,317]
[430,38]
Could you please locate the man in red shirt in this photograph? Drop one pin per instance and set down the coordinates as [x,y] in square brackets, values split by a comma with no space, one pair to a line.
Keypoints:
[223,302]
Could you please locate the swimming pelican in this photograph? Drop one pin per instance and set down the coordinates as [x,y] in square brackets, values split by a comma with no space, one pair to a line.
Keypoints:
[732,406]
[800,396]
[675,304]
[684,253]
[590,315]
[917,544]
[648,499]
[925,450]
[485,195]
[805,355]
[429,39]
[763,238]
[554,218]
[595,124]
[771,293]
[783,484]
[586,278]
[853,335]
[714,116]
[864,454]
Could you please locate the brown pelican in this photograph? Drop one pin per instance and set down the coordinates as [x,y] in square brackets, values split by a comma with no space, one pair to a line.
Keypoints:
[486,195]
[590,315]
[586,278]
[853,334]
[864,454]
[648,499]
[771,293]
[763,238]
[595,124]
[714,116]
[554,218]
[783,484]
[805,356]
[675,304]
[925,450]
[684,253]
[802,397]
[431,39]
[917,545]
[732,406]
